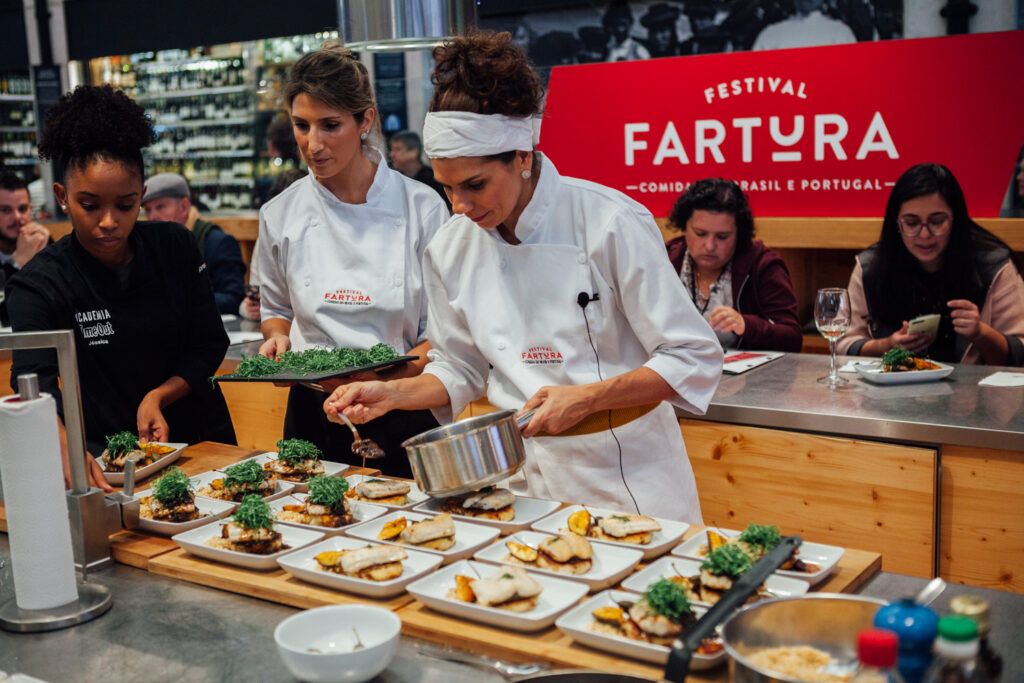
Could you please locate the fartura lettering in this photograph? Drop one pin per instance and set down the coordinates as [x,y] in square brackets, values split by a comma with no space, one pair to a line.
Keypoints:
[828,131]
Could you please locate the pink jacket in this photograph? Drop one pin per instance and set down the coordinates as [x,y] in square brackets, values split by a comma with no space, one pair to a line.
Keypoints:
[1003,310]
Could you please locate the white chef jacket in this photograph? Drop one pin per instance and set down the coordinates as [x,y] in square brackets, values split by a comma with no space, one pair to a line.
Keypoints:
[348,274]
[506,317]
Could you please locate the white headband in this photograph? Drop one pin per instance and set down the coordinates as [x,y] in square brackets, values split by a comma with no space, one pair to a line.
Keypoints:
[448,134]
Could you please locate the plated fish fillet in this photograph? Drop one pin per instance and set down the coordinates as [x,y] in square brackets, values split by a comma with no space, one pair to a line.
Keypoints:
[510,585]
[620,526]
[489,500]
[438,528]
[355,561]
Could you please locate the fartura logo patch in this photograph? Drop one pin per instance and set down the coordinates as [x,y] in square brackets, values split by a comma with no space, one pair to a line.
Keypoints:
[348,297]
[542,355]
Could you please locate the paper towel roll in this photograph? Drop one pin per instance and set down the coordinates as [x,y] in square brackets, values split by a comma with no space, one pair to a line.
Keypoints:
[37,511]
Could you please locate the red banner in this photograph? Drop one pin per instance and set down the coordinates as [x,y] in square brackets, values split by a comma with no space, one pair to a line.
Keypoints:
[822,131]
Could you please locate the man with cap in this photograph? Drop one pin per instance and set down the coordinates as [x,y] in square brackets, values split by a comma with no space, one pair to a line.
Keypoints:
[618,21]
[660,22]
[168,199]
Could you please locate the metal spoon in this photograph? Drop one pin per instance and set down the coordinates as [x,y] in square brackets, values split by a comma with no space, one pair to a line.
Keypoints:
[359,644]
[931,591]
[367,449]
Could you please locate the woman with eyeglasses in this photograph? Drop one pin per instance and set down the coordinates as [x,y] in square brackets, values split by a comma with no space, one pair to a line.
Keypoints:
[932,258]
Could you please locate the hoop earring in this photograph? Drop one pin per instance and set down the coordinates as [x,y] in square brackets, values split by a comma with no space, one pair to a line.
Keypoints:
[526,174]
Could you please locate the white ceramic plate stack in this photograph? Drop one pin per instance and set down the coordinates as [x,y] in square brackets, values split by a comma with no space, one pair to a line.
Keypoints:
[117,478]
[194,541]
[281,489]
[363,512]
[331,469]
[873,373]
[557,597]
[302,564]
[824,556]
[468,537]
[661,541]
[528,511]
[577,625]
[667,567]
[610,563]
[415,496]
[209,509]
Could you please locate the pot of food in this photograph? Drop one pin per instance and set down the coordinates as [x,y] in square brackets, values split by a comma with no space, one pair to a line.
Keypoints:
[807,638]
[468,455]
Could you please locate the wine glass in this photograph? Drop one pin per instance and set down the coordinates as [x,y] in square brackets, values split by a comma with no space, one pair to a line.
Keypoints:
[832,316]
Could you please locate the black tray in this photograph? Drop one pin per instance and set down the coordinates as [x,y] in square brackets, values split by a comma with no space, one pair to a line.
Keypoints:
[317,376]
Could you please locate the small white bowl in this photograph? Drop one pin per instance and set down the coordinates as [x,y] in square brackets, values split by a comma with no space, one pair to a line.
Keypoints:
[329,630]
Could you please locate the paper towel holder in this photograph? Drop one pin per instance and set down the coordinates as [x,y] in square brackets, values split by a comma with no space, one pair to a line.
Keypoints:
[93,600]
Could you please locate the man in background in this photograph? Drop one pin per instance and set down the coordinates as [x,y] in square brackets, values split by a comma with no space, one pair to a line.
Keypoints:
[168,199]
[810,26]
[21,238]
[405,150]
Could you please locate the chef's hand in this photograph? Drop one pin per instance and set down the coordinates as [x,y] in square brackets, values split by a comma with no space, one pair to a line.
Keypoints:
[332,384]
[360,401]
[275,346]
[725,319]
[93,472]
[915,343]
[32,239]
[966,318]
[251,308]
[558,408]
[152,425]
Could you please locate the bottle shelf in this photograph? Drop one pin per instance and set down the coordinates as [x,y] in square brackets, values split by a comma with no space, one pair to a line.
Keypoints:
[211,154]
[196,123]
[176,94]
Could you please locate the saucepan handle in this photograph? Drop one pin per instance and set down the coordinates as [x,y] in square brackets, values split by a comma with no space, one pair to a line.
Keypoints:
[523,419]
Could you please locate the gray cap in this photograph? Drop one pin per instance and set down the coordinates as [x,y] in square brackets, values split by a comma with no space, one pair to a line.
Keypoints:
[165,185]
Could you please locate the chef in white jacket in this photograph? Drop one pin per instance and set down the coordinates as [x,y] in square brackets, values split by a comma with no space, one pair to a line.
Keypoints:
[340,251]
[551,293]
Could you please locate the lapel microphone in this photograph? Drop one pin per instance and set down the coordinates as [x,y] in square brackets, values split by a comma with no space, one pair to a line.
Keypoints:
[583,299]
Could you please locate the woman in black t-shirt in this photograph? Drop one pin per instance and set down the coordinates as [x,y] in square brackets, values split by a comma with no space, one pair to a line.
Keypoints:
[136,294]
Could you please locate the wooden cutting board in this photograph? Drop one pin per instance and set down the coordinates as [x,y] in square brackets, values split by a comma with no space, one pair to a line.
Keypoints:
[275,586]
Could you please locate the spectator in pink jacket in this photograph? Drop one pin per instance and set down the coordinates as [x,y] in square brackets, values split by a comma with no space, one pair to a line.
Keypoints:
[932,258]
[741,287]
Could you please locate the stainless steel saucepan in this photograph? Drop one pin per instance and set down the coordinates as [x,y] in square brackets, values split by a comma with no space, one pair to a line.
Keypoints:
[468,455]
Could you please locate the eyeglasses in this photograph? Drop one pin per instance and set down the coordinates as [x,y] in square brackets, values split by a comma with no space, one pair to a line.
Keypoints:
[938,224]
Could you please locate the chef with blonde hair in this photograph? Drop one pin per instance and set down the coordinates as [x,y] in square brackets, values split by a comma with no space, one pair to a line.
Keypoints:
[551,293]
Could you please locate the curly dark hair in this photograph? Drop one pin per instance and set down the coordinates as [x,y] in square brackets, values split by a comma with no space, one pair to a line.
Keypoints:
[95,122]
[485,73]
[720,196]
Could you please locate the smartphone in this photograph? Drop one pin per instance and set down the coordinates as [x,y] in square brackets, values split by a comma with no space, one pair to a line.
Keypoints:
[924,324]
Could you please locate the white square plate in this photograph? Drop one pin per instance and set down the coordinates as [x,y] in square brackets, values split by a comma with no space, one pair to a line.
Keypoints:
[558,596]
[873,373]
[825,556]
[576,624]
[194,541]
[302,564]
[528,511]
[610,563]
[331,469]
[363,512]
[117,478]
[282,489]
[415,495]
[209,508]
[667,567]
[660,544]
[468,537]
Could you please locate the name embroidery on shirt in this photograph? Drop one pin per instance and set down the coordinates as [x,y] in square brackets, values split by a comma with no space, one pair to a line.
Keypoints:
[100,329]
[541,355]
[348,297]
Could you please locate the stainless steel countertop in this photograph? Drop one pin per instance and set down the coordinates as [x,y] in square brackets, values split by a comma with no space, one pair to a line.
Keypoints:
[785,394]
[160,629]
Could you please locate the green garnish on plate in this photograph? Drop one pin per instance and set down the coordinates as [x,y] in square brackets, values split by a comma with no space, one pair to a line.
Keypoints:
[248,473]
[667,598]
[728,560]
[122,442]
[294,451]
[254,513]
[327,491]
[173,487]
[896,357]
[760,536]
